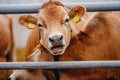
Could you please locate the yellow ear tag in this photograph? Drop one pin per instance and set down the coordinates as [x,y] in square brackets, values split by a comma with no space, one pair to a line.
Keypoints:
[76,18]
[31,26]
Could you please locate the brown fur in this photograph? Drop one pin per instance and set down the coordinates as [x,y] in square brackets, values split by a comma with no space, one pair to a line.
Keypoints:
[90,44]
[36,36]
[51,4]
[98,39]
[7,49]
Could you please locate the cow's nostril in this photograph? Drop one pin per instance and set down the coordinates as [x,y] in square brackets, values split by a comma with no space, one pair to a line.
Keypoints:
[50,39]
[9,79]
[56,38]
[61,37]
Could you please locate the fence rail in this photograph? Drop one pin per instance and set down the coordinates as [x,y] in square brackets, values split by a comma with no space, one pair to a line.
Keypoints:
[33,8]
[60,65]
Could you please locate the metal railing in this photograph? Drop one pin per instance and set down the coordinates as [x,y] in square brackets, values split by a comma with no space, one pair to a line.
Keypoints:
[33,8]
[60,65]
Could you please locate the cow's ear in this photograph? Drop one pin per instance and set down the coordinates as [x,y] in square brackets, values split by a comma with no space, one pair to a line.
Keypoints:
[28,21]
[76,13]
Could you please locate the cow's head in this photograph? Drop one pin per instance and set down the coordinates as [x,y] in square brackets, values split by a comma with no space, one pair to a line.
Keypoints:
[53,20]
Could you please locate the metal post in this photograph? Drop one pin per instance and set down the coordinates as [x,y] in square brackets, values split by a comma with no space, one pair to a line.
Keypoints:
[33,8]
[60,65]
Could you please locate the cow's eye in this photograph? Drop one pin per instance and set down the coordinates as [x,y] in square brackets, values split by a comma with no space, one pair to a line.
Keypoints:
[66,20]
[40,25]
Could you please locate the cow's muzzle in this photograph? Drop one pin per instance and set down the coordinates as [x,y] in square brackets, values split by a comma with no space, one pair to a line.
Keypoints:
[56,43]
[56,39]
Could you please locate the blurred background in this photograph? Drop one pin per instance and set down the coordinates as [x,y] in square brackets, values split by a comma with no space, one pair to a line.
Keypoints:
[21,33]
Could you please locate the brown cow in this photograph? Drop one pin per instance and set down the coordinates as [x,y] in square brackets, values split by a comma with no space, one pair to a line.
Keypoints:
[7,49]
[96,39]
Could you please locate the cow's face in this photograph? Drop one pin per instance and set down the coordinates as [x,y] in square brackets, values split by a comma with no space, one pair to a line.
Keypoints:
[53,20]
[55,29]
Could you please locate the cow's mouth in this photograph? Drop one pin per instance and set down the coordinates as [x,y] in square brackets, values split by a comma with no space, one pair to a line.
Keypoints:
[57,49]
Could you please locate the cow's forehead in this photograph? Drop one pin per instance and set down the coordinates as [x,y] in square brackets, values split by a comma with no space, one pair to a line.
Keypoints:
[53,14]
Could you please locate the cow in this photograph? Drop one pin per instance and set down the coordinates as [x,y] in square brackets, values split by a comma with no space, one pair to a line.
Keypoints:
[92,38]
[7,46]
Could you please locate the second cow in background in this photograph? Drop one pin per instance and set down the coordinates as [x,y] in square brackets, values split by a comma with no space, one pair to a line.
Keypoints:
[7,46]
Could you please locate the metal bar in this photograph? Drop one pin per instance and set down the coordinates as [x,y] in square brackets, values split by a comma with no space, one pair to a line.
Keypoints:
[33,8]
[60,65]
